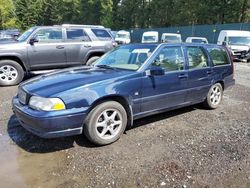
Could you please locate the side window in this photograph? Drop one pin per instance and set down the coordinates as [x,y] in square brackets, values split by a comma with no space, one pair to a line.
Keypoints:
[196,58]
[219,56]
[101,34]
[170,59]
[76,35]
[49,35]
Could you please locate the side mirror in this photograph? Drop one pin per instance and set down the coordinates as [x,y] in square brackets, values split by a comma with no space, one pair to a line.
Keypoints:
[155,71]
[224,43]
[32,41]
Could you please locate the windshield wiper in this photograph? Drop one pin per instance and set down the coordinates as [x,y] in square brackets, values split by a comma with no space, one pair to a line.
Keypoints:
[105,66]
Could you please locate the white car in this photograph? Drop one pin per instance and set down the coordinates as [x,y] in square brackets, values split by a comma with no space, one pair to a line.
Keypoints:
[237,41]
[122,37]
[201,40]
[150,37]
[171,38]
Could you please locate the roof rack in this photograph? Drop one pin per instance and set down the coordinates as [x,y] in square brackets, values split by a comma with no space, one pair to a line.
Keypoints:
[88,26]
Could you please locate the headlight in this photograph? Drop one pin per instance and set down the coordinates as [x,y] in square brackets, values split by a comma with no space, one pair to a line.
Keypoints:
[46,104]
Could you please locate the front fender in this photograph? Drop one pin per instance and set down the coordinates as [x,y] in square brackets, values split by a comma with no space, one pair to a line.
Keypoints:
[13,56]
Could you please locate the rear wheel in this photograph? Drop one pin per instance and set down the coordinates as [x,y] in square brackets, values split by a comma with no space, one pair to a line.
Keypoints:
[92,60]
[214,96]
[11,73]
[105,123]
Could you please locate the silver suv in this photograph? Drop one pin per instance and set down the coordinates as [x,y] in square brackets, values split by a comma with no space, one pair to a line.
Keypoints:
[52,47]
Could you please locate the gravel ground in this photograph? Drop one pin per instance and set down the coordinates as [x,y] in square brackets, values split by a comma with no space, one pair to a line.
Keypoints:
[189,147]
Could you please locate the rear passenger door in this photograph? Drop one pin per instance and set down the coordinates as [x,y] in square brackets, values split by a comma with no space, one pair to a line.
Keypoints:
[77,45]
[200,73]
[222,65]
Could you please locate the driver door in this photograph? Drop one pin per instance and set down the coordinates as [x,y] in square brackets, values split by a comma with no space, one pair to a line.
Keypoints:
[168,90]
[48,50]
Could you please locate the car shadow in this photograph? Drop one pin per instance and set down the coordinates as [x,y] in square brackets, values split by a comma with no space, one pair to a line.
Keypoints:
[34,144]
[164,115]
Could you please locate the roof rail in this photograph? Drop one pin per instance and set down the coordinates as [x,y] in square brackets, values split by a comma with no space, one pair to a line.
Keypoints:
[89,26]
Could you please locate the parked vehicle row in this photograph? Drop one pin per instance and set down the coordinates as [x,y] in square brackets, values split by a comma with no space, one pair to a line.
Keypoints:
[237,41]
[52,47]
[127,83]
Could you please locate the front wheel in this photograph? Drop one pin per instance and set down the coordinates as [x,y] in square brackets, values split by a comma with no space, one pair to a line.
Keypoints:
[105,123]
[214,96]
[92,60]
[11,73]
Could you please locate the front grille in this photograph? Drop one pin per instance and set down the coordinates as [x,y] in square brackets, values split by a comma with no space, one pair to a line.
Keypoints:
[22,96]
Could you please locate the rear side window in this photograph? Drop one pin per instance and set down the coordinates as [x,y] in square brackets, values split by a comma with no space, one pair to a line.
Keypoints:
[76,35]
[219,56]
[101,34]
[196,58]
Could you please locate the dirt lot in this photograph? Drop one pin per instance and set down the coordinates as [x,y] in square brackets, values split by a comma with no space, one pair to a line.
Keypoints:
[190,147]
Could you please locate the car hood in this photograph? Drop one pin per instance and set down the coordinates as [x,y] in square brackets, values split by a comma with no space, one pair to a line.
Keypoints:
[239,48]
[50,84]
[9,45]
[121,39]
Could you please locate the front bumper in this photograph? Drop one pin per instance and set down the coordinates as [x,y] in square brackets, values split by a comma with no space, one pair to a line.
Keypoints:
[50,124]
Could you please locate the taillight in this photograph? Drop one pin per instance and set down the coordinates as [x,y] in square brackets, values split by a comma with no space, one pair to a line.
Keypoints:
[230,54]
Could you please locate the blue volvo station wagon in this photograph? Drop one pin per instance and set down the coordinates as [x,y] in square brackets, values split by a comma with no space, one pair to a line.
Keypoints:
[127,83]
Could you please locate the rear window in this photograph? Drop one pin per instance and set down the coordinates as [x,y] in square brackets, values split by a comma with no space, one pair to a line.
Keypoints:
[101,34]
[219,56]
[76,35]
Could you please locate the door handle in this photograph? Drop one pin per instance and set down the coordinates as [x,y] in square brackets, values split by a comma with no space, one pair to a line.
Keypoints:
[183,76]
[87,45]
[209,72]
[60,47]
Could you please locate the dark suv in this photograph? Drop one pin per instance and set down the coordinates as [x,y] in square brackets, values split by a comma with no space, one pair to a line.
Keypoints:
[127,83]
[52,47]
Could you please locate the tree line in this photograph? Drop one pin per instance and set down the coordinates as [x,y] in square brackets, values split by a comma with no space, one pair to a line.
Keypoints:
[122,14]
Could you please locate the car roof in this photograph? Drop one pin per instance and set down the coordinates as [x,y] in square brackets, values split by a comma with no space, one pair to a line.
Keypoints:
[176,44]
[236,32]
[72,26]
[197,38]
[171,34]
[150,32]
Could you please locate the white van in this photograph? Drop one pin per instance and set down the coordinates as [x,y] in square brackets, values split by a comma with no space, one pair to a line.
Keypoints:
[200,40]
[237,41]
[122,37]
[171,38]
[150,37]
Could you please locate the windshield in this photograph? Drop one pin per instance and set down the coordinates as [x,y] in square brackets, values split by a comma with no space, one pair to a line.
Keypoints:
[239,41]
[149,38]
[126,36]
[26,34]
[172,39]
[202,41]
[129,57]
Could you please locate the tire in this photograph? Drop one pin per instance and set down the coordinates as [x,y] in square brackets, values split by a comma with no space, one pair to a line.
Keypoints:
[92,60]
[11,73]
[214,96]
[105,123]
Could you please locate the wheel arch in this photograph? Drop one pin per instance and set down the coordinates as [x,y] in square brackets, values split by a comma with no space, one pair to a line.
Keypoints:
[14,58]
[221,82]
[121,100]
[92,54]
